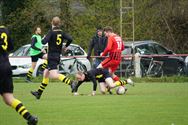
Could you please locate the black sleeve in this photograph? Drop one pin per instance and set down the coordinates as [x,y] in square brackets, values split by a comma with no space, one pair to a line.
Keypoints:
[46,39]
[77,86]
[90,48]
[33,42]
[93,79]
[68,38]
[10,43]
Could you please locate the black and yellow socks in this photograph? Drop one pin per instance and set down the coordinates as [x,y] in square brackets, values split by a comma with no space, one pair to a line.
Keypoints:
[43,85]
[30,72]
[18,106]
[65,79]
[121,82]
[44,65]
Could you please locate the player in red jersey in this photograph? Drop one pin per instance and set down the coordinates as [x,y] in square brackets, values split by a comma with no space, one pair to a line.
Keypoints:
[114,48]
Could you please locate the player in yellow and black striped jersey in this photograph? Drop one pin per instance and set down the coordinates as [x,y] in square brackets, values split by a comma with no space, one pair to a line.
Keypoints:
[6,83]
[55,39]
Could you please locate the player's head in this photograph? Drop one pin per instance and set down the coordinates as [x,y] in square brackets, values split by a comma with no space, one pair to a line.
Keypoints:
[37,30]
[108,30]
[80,76]
[99,31]
[56,22]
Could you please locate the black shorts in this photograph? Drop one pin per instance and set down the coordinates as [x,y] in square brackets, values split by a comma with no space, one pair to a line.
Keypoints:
[36,57]
[53,61]
[101,80]
[6,83]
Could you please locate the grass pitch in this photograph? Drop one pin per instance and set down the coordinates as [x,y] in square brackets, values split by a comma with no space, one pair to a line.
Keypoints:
[144,104]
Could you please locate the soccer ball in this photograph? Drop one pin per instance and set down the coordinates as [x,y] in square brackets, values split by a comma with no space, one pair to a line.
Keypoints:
[121,90]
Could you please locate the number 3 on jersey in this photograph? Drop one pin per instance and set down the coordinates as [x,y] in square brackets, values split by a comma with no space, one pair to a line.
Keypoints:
[59,39]
[4,37]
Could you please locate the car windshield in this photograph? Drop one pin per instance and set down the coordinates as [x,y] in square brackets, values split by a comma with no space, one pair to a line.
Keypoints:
[73,51]
[21,51]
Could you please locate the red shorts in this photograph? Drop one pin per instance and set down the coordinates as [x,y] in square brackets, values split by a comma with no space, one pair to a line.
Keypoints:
[110,64]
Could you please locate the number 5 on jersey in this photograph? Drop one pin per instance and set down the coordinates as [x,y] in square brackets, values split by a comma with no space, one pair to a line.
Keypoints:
[59,39]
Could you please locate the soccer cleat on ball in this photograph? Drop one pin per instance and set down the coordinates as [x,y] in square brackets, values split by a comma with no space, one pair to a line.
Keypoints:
[130,82]
[121,90]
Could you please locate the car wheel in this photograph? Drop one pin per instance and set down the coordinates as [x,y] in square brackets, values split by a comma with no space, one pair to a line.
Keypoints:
[39,71]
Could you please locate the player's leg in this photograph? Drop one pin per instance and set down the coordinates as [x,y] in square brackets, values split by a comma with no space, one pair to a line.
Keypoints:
[20,108]
[104,63]
[96,62]
[117,80]
[44,65]
[112,68]
[54,74]
[113,84]
[111,65]
[43,85]
[124,82]
[34,60]
[109,81]
[102,87]
[44,56]
[6,91]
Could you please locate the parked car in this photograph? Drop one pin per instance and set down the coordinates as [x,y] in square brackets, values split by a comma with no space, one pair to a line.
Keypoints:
[171,65]
[21,61]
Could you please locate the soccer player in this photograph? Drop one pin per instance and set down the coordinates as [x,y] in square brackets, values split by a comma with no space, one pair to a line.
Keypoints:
[114,48]
[54,38]
[102,75]
[6,83]
[36,52]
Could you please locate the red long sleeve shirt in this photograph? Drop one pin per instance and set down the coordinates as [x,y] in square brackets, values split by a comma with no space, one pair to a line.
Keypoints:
[114,47]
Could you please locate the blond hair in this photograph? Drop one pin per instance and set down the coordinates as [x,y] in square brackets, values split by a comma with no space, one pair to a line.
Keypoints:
[56,21]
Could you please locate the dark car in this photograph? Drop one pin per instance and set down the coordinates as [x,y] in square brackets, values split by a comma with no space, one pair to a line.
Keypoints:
[151,53]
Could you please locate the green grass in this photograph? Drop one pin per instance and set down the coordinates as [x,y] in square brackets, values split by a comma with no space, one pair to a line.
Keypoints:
[144,104]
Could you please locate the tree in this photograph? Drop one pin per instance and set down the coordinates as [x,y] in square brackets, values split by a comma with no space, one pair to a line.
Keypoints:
[162,20]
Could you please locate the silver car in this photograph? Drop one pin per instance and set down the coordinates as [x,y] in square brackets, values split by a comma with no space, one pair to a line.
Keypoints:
[71,61]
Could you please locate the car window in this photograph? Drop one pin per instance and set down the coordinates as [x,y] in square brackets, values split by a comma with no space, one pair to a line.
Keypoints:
[69,52]
[160,49]
[145,49]
[73,51]
[21,51]
[78,51]
[27,52]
